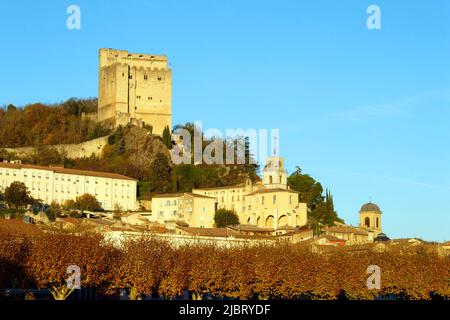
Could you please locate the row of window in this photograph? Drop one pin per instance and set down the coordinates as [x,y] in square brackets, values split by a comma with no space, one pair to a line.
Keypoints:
[210,193]
[130,76]
[148,98]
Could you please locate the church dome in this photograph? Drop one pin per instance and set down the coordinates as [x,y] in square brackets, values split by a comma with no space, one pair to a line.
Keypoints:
[370,207]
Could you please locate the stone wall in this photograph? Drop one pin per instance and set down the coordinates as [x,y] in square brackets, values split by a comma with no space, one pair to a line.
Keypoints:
[80,150]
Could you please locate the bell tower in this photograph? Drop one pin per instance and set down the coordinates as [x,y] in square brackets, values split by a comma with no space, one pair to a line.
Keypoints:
[370,218]
[274,173]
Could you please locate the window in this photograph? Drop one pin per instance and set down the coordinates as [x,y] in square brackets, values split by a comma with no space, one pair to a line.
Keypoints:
[145,77]
[274,199]
[130,76]
[262,200]
[159,78]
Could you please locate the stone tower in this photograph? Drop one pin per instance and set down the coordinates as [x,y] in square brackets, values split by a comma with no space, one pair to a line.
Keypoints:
[274,173]
[370,218]
[134,88]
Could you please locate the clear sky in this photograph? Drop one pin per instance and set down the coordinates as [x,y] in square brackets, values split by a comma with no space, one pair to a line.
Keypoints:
[365,112]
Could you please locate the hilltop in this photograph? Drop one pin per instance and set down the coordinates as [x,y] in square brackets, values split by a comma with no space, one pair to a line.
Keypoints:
[46,130]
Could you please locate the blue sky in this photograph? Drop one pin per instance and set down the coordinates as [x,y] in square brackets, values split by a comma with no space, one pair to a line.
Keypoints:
[365,112]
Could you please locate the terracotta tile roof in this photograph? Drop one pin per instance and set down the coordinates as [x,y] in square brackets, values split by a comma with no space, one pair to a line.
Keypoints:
[268,190]
[72,220]
[198,195]
[66,171]
[167,195]
[346,229]
[303,229]
[207,232]
[250,228]
[178,195]
[329,237]
[240,185]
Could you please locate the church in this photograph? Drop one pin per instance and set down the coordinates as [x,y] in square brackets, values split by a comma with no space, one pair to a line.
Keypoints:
[269,203]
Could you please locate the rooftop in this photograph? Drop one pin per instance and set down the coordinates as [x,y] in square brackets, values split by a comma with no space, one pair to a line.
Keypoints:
[269,190]
[61,170]
[346,229]
[370,207]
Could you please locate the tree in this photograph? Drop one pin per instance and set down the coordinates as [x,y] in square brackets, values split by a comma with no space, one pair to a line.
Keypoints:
[224,218]
[50,256]
[141,266]
[40,124]
[54,211]
[12,255]
[310,191]
[69,204]
[321,208]
[17,195]
[167,137]
[324,211]
[160,174]
[87,202]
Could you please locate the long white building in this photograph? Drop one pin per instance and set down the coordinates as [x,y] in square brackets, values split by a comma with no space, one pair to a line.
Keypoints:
[60,184]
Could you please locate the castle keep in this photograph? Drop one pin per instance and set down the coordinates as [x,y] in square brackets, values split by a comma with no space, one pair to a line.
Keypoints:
[134,88]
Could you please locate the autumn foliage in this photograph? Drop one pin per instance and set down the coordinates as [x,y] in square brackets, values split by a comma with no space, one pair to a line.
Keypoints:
[38,124]
[150,267]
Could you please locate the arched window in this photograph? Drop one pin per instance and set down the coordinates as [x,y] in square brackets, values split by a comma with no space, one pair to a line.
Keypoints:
[270,179]
[377,223]
[367,222]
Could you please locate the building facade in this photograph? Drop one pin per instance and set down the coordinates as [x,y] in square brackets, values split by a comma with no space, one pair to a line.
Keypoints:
[134,88]
[194,209]
[60,184]
[269,203]
[351,235]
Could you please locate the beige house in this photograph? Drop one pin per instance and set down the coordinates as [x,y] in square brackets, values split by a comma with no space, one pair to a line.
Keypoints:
[60,184]
[269,203]
[134,218]
[351,235]
[194,209]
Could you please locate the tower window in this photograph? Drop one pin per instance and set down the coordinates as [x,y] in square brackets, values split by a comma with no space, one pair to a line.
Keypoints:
[159,78]
[130,76]
[367,222]
[145,77]
[377,222]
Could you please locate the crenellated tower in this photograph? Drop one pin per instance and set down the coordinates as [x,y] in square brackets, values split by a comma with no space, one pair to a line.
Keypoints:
[134,88]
